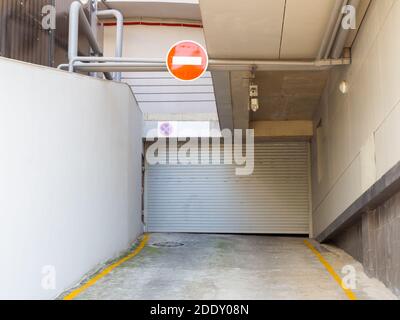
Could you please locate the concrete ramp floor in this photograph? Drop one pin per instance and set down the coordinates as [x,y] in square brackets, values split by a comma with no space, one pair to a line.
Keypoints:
[200,266]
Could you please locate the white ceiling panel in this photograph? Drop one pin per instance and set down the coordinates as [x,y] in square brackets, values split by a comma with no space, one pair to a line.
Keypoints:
[159,93]
[304,27]
[248,29]
[173,89]
[178,97]
[178,107]
[166,82]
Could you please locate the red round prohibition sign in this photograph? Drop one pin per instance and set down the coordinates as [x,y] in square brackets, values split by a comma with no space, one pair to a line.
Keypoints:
[187,60]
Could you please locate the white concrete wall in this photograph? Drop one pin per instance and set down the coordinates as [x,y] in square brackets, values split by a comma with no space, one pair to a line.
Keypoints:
[70,176]
[360,130]
[141,41]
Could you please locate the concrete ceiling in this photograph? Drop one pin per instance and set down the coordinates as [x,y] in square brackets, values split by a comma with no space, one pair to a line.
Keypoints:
[269,29]
[242,29]
[265,29]
[251,29]
[304,26]
[285,95]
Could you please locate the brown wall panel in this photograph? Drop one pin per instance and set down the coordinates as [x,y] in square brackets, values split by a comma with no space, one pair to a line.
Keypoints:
[21,34]
[23,38]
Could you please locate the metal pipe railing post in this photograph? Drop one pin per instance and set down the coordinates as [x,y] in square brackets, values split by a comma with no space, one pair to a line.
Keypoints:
[73,33]
[120,33]
[78,18]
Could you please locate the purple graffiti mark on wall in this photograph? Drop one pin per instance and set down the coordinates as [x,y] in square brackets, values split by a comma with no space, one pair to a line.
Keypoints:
[166,129]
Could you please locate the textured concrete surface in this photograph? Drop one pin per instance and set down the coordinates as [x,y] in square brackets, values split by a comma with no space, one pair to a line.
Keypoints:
[231,267]
[289,95]
[350,240]
[381,243]
[374,240]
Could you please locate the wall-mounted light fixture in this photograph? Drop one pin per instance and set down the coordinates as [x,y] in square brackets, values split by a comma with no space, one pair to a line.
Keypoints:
[344,87]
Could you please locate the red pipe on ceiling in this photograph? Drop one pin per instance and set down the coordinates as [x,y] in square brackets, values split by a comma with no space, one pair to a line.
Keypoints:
[160,24]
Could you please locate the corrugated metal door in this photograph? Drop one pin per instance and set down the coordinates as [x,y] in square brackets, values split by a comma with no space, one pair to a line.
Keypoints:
[212,199]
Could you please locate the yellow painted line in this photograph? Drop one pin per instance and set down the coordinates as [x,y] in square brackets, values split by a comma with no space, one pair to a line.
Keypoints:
[107,270]
[350,294]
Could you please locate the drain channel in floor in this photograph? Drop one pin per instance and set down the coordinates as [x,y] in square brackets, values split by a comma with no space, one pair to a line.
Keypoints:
[167,244]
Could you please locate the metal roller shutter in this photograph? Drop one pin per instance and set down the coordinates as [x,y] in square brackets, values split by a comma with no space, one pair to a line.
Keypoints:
[212,199]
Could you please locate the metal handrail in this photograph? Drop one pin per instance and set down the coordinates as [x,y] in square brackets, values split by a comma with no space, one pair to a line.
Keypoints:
[118,64]
[101,64]
[77,18]
[120,33]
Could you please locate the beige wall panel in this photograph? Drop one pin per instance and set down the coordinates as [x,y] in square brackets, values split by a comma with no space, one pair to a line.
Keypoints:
[278,129]
[387,140]
[361,129]
[304,28]
[248,29]
[347,188]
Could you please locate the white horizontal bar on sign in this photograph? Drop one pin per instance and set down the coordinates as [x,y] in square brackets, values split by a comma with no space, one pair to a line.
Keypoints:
[189,61]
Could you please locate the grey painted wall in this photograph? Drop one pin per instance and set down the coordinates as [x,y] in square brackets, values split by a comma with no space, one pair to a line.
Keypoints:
[350,240]
[381,240]
[374,240]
